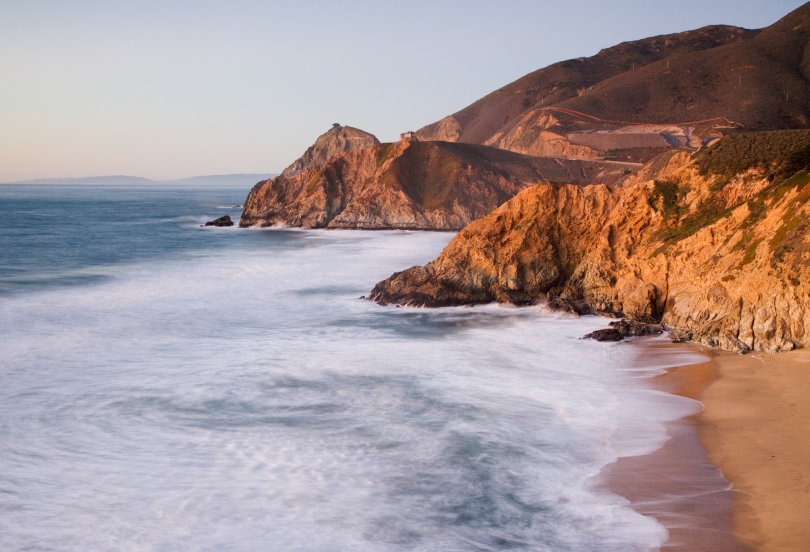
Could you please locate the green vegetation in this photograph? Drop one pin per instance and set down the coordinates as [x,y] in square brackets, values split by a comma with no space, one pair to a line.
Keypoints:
[384,153]
[313,183]
[789,222]
[707,214]
[668,194]
[331,178]
[785,155]
[798,160]
[750,253]
[737,153]
[799,180]
[719,183]
[757,209]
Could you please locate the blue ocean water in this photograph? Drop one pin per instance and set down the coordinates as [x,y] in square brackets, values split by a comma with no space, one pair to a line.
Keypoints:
[169,387]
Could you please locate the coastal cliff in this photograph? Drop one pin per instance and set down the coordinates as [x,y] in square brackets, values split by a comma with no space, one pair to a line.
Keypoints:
[713,245]
[411,185]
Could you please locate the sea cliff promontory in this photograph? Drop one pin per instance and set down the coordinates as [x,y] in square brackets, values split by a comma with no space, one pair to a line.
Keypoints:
[412,185]
[714,245]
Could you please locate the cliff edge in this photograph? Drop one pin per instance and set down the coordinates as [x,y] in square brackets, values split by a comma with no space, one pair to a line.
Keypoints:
[714,245]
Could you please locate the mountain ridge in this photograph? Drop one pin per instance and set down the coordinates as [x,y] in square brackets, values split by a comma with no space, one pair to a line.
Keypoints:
[756,78]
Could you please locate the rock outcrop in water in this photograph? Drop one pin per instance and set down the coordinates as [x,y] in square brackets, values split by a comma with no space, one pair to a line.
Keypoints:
[336,140]
[411,185]
[220,222]
[713,245]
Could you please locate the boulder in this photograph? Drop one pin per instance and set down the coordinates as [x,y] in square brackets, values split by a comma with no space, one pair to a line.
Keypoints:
[221,221]
[608,334]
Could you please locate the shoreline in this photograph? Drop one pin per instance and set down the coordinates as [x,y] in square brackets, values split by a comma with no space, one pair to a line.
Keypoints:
[677,484]
[756,428]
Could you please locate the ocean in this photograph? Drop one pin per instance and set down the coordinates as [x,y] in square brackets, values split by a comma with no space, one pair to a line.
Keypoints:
[165,386]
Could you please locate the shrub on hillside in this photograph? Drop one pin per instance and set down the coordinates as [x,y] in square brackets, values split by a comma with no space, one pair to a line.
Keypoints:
[783,151]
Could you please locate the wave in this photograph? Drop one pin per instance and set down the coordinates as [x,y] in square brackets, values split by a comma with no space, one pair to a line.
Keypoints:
[245,398]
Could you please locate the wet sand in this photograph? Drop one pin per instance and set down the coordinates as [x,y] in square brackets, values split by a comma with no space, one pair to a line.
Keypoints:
[756,428]
[677,484]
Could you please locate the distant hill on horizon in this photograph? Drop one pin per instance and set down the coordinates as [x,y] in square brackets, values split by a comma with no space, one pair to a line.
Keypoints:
[758,79]
[123,180]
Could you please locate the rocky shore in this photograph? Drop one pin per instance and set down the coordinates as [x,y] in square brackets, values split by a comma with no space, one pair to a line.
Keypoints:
[713,246]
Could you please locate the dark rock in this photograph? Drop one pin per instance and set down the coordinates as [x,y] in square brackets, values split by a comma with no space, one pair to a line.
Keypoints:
[221,221]
[631,328]
[514,297]
[608,334]
[569,306]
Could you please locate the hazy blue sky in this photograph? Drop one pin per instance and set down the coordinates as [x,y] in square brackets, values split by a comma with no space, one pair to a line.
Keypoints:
[169,89]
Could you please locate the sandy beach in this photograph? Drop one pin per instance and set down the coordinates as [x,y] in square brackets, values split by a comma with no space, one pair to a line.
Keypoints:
[735,477]
[756,428]
[678,484]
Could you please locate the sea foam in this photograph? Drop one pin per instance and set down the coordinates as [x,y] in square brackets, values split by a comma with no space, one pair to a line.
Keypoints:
[248,400]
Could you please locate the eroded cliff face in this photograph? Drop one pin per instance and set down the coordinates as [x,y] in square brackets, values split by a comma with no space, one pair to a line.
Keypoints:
[336,140]
[410,185]
[721,257]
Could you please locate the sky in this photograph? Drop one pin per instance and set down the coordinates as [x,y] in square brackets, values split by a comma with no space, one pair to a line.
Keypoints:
[174,88]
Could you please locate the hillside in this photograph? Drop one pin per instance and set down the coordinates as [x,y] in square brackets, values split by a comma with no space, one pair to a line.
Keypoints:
[413,185]
[761,83]
[715,245]
[754,79]
[567,79]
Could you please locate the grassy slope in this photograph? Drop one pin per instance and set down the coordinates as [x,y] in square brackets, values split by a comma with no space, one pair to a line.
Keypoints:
[761,83]
[783,156]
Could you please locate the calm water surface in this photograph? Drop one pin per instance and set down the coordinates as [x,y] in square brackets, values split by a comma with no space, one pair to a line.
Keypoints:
[170,387]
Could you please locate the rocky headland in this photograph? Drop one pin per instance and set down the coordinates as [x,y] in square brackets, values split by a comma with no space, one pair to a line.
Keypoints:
[412,185]
[712,245]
